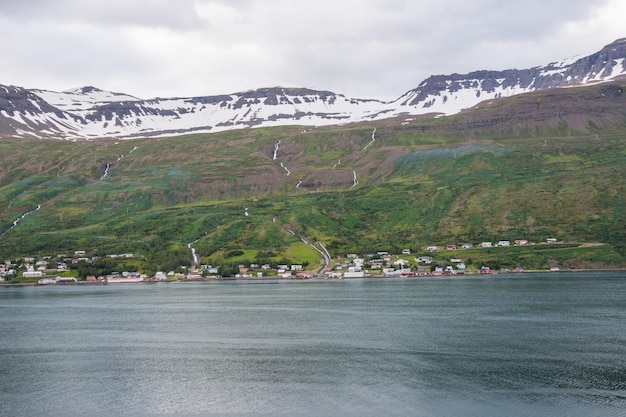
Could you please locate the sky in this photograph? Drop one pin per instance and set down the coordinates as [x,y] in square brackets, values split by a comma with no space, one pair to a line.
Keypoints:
[360,48]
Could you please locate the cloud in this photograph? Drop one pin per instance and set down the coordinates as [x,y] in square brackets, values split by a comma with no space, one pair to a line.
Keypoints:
[177,15]
[366,48]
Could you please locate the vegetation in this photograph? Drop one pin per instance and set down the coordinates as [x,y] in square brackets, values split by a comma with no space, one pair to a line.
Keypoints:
[467,178]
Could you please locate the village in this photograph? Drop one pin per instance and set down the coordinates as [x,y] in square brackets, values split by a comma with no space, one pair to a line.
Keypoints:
[62,269]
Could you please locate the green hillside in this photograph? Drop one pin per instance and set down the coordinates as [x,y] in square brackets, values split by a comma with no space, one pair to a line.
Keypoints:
[545,165]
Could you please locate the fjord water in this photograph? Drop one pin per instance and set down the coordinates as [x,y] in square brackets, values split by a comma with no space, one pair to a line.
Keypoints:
[550,344]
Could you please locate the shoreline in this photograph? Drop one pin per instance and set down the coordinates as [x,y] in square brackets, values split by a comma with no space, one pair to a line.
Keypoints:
[313,278]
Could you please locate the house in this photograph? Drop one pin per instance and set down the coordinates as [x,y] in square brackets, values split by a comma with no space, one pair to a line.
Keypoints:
[376,263]
[296,267]
[32,274]
[550,240]
[406,251]
[456,260]
[426,259]
[504,243]
[450,247]
[521,242]
[486,245]
[467,246]
[431,248]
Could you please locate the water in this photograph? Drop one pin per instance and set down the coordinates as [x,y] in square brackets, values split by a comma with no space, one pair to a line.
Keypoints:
[507,345]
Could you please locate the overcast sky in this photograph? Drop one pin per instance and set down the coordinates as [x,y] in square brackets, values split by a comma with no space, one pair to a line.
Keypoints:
[360,48]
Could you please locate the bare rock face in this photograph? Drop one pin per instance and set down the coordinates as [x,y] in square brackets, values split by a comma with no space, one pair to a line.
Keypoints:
[17,99]
[22,110]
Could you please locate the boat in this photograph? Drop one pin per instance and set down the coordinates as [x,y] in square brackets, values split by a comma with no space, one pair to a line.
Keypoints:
[115,280]
[354,274]
[57,281]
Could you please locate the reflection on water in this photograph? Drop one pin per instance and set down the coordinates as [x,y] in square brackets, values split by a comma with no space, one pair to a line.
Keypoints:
[510,345]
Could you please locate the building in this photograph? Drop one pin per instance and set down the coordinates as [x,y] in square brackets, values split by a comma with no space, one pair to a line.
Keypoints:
[425,259]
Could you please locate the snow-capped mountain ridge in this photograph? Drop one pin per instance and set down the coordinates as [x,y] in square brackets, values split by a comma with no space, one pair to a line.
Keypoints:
[89,112]
[451,93]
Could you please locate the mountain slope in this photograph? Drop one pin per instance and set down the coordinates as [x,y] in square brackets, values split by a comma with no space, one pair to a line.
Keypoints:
[452,93]
[92,113]
[544,164]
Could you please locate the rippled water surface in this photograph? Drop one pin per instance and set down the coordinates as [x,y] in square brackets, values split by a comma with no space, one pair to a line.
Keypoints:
[506,345]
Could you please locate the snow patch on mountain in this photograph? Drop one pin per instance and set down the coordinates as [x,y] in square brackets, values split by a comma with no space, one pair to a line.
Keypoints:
[89,112]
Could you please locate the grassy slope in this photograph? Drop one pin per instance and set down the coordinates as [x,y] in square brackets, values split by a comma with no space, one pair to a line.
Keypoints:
[473,177]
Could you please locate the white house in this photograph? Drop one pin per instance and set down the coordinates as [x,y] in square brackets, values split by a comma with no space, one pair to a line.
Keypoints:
[504,243]
[358,263]
[486,245]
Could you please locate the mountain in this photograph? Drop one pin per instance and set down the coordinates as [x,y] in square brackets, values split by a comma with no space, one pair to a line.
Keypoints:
[544,164]
[452,93]
[92,113]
